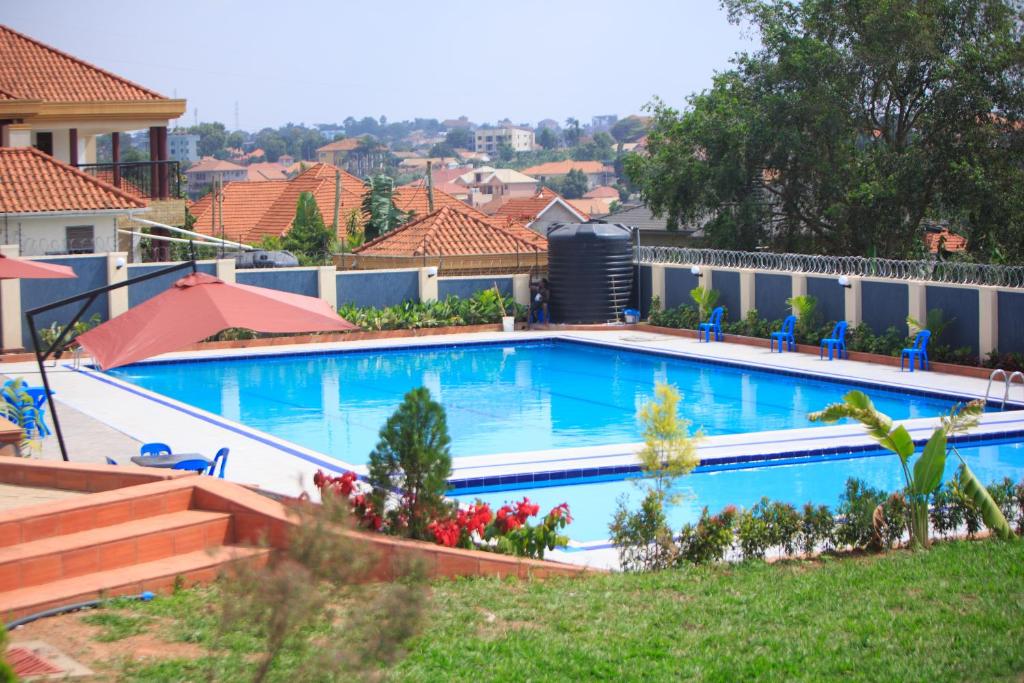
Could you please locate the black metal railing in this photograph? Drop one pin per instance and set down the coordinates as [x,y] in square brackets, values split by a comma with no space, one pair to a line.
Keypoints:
[142,179]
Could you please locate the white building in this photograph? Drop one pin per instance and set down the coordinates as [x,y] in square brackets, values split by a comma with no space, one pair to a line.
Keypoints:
[490,139]
[183,146]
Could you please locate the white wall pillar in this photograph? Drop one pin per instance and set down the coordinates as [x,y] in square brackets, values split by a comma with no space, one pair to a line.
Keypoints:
[521,288]
[226,269]
[428,283]
[988,320]
[327,285]
[799,287]
[117,299]
[657,285]
[10,306]
[747,286]
[17,135]
[853,302]
[917,302]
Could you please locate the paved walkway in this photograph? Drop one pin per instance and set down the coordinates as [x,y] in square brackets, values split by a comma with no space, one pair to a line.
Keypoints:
[21,496]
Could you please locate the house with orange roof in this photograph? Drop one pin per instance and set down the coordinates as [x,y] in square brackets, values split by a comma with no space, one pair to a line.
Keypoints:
[540,211]
[939,238]
[50,207]
[412,198]
[598,173]
[60,104]
[247,212]
[451,231]
[266,170]
[485,184]
[360,156]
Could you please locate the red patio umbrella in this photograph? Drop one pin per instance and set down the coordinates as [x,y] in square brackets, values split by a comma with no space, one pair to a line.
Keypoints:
[199,306]
[12,268]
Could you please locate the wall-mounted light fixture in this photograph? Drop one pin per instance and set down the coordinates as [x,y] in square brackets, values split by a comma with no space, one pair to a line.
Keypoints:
[431,271]
[119,263]
[843,281]
[695,271]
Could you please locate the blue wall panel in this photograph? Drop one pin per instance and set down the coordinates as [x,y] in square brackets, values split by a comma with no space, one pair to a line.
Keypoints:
[92,273]
[1011,322]
[727,283]
[678,284]
[147,290]
[378,288]
[960,307]
[281,279]
[465,288]
[830,296]
[770,294]
[884,305]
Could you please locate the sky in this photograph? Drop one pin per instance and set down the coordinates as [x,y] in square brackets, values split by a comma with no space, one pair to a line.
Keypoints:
[318,62]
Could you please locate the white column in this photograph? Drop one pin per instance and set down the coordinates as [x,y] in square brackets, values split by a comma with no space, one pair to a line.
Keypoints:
[10,306]
[226,269]
[117,299]
[521,288]
[853,302]
[988,320]
[327,284]
[428,283]
[657,285]
[17,135]
[747,286]
[917,302]
[799,287]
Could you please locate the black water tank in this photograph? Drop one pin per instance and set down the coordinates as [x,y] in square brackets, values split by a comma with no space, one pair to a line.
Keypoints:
[590,269]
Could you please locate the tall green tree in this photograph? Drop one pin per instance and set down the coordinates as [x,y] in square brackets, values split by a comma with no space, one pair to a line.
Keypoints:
[378,205]
[572,132]
[855,121]
[547,138]
[574,185]
[460,137]
[309,238]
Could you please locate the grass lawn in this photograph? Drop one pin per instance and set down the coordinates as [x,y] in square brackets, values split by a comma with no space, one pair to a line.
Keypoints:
[956,614]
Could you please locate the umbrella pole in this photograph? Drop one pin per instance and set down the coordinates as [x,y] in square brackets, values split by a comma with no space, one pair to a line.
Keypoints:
[89,297]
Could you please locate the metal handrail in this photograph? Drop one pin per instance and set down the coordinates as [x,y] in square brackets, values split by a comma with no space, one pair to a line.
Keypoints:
[1009,382]
[991,378]
[933,270]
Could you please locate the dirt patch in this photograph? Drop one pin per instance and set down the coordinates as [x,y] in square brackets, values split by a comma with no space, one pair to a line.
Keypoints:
[78,640]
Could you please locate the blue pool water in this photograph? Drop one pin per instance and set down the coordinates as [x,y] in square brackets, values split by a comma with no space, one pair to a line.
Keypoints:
[524,397]
[593,504]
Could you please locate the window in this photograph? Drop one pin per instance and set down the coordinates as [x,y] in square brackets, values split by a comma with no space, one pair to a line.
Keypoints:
[80,239]
[44,143]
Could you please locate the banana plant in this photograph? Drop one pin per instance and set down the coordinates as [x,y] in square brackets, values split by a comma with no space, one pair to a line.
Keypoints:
[925,475]
[705,299]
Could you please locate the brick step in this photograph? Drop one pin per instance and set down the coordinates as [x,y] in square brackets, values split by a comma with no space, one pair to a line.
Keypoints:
[110,547]
[73,515]
[159,576]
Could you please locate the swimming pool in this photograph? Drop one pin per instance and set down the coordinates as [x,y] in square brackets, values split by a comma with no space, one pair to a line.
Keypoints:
[796,481]
[499,397]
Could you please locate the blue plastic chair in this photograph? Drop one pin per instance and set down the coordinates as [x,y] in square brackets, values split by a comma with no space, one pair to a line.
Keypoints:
[110,461]
[222,458]
[155,448]
[714,324]
[538,315]
[194,465]
[836,343]
[37,396]
[918,352]
[784,335]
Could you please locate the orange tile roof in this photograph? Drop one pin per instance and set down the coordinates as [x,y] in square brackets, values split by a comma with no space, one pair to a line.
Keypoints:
[413,197]
[34,182]
[253,211]
[30,70]
[950,241]
[267,170]
[602,192]
[451,231]
[563,167]
[343,145]
[589,207]
[526,209]
[126,186]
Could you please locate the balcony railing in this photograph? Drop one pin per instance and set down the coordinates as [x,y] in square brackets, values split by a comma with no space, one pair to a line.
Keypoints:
[142,179]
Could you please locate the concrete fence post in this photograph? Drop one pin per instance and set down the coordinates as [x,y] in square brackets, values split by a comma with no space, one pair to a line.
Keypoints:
[657,284]
[988,320]
[917,302]
[853,302]
[747,291]
[117,299]
[10,306]
[226,269]
[428,284]
[798,287]
[521,288]
[327,285]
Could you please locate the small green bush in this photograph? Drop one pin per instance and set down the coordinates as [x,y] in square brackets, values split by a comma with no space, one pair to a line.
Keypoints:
[482,308]
[710,539]
[895,513]
[642,537]
[946,513]
[752,534]
[857,508]
[817,530]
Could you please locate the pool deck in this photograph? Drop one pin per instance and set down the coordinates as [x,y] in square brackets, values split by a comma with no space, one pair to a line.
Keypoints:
[128,414]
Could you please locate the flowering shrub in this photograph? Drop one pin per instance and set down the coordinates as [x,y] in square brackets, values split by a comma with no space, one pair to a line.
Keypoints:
[474,527]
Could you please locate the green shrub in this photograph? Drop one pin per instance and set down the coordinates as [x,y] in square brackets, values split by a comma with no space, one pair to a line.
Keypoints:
[710,539]
[964,504]
[642,538]
[784,526]
[895,518]
[857,508]
[484,307]
[1018,495]
[49,335]
[752,533]
[412,456]
[817,529]
[1004,495]
[946,513]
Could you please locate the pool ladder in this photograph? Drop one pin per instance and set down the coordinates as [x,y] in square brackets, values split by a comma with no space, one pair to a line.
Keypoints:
[1007,381]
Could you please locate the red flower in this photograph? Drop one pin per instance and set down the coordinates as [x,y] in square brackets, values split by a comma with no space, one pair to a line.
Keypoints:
[446,532]
[526,509]
[559,511]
